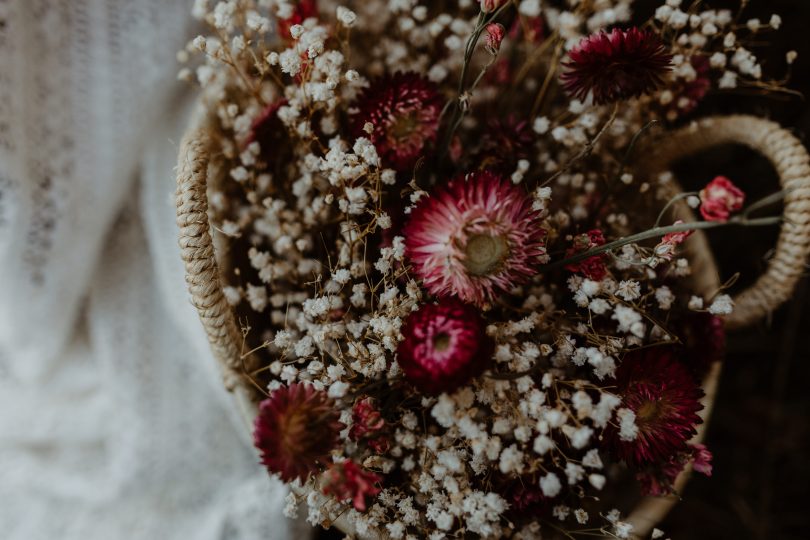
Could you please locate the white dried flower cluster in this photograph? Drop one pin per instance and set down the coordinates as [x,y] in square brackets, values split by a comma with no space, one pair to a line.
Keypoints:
[709,48]
[311,208]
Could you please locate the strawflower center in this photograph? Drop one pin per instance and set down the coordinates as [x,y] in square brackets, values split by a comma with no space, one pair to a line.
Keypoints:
[441,342]
[404,126]
[652,410]
[484,254]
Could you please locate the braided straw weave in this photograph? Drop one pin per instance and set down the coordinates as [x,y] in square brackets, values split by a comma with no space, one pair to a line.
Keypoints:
[790,160]
[786,153]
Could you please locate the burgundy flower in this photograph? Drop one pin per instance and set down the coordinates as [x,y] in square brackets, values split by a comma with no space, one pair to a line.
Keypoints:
[404,110]
[368,425]
[304,9]
[719,199]
[665,399]
[296,430]
[475,238]
[593,267]
[444,345]
[504,143]
[616,66]
[348,481]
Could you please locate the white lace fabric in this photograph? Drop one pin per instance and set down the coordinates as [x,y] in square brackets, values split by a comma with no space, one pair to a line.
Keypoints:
[113,421]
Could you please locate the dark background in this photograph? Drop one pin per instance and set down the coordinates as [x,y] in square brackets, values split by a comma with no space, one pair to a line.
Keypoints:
[759,432]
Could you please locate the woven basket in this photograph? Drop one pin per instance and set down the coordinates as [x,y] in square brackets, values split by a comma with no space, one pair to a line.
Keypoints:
[196,170]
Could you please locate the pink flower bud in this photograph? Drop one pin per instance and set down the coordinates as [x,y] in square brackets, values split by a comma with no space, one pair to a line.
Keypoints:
[719,198]
[495,33]
[347,481]
[490,5]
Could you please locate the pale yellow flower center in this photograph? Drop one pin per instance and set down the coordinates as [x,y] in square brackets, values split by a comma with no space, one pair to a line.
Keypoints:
[484,254]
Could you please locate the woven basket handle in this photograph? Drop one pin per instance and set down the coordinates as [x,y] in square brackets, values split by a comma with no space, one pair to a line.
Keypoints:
[790,159]
[197,250]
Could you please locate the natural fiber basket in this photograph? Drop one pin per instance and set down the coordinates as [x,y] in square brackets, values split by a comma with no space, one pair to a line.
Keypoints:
[197,170]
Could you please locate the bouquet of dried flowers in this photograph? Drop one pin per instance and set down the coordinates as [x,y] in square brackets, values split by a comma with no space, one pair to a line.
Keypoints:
[466,312]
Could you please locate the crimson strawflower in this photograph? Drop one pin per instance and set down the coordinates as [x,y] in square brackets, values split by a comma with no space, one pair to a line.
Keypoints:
[369,426]
[444,345]
[593,267]
[296,429]
[403,110]
[665,399]
[616,66]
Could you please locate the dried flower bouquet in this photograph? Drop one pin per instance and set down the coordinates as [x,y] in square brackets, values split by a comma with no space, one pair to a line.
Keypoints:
[472,301]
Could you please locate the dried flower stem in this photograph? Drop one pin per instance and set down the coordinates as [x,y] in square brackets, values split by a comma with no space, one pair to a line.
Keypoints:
[656,232]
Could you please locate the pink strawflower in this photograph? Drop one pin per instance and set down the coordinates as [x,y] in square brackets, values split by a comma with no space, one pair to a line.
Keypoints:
[369,426]
[444,346]
[475,238]
[404,111]
[296,430]
[703,459]
[669,243]
[719,199]
[494,37]
[347,481]
[593,267]
[616,66]
[665,399]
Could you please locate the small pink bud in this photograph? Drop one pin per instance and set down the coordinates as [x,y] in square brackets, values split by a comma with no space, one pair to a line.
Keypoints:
[495,33]
[719,199]
[490,5]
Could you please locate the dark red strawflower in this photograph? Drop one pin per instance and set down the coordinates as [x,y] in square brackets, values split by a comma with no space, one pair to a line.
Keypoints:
[296,430]
[348,481]
[404,110]
[505,142]
[444,346]
[593,267]
[368,425]
[665,399]
[616,66]
[304,9]
[268,130]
